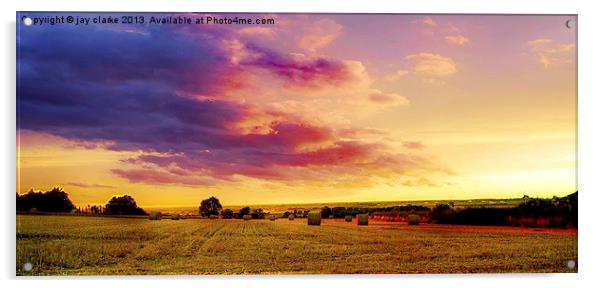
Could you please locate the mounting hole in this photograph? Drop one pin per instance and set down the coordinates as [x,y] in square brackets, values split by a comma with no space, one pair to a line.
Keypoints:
[571,264]
[27,267]
[26,21]
[570,23]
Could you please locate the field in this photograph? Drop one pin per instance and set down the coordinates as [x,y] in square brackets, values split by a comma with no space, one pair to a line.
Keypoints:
[74,245]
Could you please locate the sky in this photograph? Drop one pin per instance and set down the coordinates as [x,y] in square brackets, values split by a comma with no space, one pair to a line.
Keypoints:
[314,108]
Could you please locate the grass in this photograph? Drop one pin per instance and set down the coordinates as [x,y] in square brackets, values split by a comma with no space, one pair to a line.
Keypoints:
[72,245]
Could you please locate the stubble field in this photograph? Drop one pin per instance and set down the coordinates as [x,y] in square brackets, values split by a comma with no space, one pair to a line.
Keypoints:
[73,245]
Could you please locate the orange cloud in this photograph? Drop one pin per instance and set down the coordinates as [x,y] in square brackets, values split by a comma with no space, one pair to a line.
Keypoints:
[428,21]
[413,144]
[457,40]
[338,89]
[550,52]
[392,99]
[432,65]
[320,34]
[257,32]
[397,75]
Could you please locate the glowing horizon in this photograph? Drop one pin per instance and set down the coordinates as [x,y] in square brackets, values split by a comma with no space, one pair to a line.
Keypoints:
[316,108]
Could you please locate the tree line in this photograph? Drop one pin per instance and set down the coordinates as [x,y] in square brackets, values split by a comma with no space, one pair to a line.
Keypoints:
[342,212]
[555,212]
[531,212]
[212,206]
[57,201]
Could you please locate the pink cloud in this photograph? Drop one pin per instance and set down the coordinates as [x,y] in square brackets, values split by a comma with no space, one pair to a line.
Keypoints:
[296,70]
[320,34]
[551,53]
[428,64]
[151,176]
[257,31]
[388,98]
[413,144]
[173,112]
[457,40]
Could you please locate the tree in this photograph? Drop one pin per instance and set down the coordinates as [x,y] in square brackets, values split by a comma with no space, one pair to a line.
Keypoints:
[96,209]
[210,206]
[20,203]
[58,200]
[227,213]
[123,205]
[326,212]
[55,200]
[572,208]
[244,211]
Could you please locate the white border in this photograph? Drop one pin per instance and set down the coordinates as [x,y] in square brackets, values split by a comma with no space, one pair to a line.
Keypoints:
[589,48]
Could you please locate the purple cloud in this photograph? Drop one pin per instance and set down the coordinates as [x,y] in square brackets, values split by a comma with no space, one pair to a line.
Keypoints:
[159,92]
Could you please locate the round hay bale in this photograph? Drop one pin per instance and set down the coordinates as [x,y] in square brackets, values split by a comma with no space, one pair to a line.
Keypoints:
[291,217]
[314,219]
[212,216]
[175,216]
[413,219]
[246,217]
[362,219]
[154,215]
[272,217]
[348,218]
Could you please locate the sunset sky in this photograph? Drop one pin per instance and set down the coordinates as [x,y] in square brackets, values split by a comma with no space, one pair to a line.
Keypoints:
[316,108]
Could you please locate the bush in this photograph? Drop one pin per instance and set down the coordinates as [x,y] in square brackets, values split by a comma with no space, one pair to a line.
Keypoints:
[258,214]
[326,212]
[406,208]
[563,210]
[341,212]
[479,216]
[532,212]
[441,211]
[227,214]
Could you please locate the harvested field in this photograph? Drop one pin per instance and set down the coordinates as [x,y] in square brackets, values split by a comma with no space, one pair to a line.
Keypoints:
[72,245]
